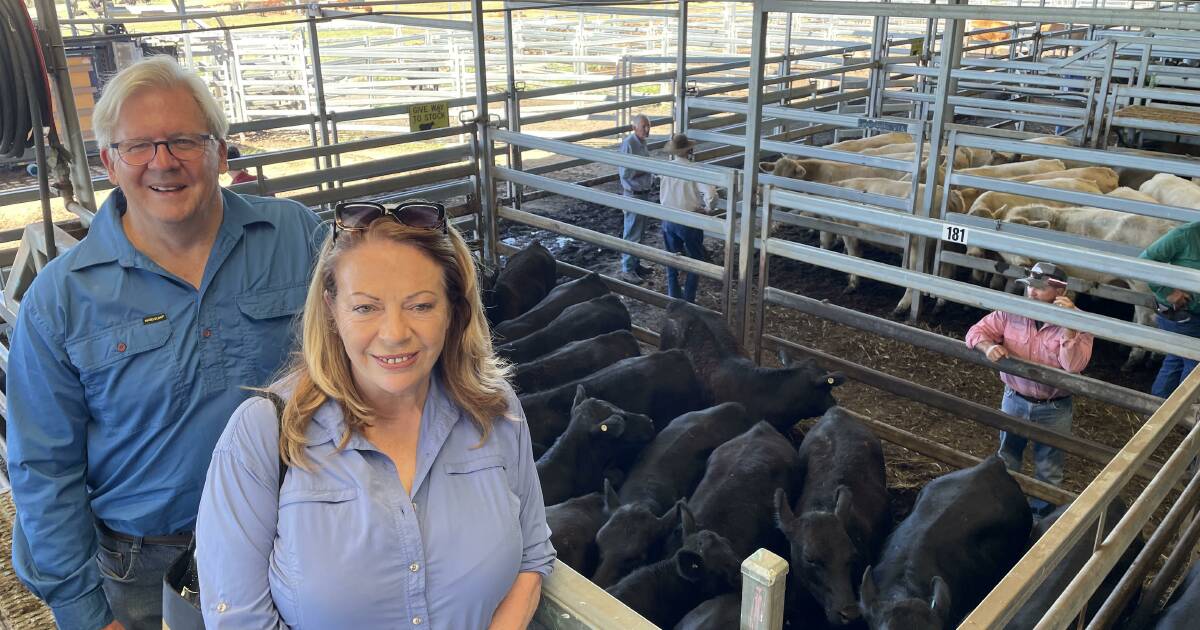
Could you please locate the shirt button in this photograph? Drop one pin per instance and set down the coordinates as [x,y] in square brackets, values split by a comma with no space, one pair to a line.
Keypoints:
[121,347]
[221,607]
[416,621]
[207,332]
[414,567]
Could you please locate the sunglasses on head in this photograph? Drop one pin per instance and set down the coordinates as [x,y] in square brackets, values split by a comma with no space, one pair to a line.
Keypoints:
[355,216]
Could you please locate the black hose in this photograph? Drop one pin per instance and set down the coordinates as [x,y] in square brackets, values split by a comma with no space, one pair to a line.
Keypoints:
[25,107]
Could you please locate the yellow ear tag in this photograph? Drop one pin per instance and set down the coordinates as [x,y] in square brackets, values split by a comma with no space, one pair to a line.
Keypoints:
[604,427]
[829,380]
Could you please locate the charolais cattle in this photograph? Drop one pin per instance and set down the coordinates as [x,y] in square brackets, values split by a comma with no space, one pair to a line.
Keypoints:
[668,470]
[781,396]
[562,296]
[1183,609]
[661,385]
[663,592]
[734,497]
[599,437]
[965,531]
[528,276]
[578,321]
[573,526]
[574,361]
[1044,597]
[722,611]
[842,516]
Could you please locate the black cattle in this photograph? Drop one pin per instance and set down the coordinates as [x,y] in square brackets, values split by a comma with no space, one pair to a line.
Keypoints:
[661,385]
[842,516]
[780,396]
[574,361]
[564,295]
[722,611]
[965,531]
[578,321]
[663,592]
[573,526]
[528,277]
[734,497]
[667,471]
[1183,609]
[1044,597]
[599,437]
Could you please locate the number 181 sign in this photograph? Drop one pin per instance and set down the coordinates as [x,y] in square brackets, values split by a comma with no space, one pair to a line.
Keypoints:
[954,234]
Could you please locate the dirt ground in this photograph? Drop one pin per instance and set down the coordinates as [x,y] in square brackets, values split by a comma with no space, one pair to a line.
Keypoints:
[907,471]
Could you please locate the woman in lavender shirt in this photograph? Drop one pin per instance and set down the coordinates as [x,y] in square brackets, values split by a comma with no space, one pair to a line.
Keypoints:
[410,497]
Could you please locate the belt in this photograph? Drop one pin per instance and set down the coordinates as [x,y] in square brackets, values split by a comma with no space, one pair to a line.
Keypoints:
[178,540]
[1040,401]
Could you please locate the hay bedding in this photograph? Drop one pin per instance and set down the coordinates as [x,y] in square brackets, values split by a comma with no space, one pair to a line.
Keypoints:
[1188,116]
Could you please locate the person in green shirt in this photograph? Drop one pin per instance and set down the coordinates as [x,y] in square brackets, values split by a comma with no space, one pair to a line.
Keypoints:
[1178,311]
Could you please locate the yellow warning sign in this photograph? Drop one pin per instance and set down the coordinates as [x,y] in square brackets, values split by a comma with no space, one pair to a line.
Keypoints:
[423,116]
[917,47]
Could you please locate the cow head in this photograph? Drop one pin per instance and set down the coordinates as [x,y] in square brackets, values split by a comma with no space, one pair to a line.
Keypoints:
[806,376]
[825,559]
[605,421]
[627,539]
[784,167]
[914,613]
[706,558]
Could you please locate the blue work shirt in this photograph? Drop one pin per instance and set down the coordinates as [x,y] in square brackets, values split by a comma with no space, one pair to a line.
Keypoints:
[122,377]
[633,180]
[344,546]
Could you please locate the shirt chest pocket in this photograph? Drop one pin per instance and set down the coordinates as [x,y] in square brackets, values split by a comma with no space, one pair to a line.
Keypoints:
[121,360]
[481,484]
[266,329]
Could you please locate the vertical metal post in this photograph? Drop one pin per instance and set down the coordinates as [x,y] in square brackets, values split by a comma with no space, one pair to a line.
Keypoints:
[81,176]
[487,201]
[758,45]
[314,48]
[877,78]
[513,103]
[1098,130]
[764,578]
[71,16]
[189,61]
[763,268]
[681,69]
[949,54]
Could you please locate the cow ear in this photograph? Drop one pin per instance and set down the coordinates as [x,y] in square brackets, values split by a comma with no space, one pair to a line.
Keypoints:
[833,379]
[867,593]
[845,499]
[611,500]
[784,358]
[580,396]
[690,565]
[783,511]
[612,427]
[686,518]
[1045,225]
[766,167]
[940,604]
[668,521]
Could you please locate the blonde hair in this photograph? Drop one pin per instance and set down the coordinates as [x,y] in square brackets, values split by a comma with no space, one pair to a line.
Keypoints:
[474,378]
[159,71]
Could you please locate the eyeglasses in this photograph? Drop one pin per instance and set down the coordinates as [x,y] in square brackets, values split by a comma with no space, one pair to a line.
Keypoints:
[142,152]
[355,216]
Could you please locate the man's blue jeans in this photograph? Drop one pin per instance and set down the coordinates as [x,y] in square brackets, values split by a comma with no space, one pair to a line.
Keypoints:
[686,240]
[133,579]
[1048,461]
[633,230]
[1174,368]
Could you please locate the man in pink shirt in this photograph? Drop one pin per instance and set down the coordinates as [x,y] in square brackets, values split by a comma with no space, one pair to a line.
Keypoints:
[1000,335]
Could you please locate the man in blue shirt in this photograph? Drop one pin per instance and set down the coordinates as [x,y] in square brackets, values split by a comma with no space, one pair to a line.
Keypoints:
[131,350]
[639,185]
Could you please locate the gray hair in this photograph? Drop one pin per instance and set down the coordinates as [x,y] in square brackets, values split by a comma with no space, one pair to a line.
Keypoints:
[638,118]
[159,71]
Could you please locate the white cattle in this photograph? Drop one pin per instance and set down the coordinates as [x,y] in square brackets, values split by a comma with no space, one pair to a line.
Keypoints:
[1125,192]
[857,145]
[991,201]
[1006,171]
[1172,190]
[1105,178]
[1095,223]
[822,171]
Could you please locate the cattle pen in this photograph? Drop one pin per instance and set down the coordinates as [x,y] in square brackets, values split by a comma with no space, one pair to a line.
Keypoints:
[752,81]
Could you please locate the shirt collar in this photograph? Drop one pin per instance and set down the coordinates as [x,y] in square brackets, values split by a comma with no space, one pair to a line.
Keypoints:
[438,418]
[106,241]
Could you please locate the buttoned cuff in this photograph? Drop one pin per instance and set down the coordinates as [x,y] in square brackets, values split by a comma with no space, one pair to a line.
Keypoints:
[90,612]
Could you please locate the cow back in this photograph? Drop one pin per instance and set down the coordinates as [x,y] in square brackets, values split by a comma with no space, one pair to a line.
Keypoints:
[527,277]
[578,321]
[574,361]
[562,296]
